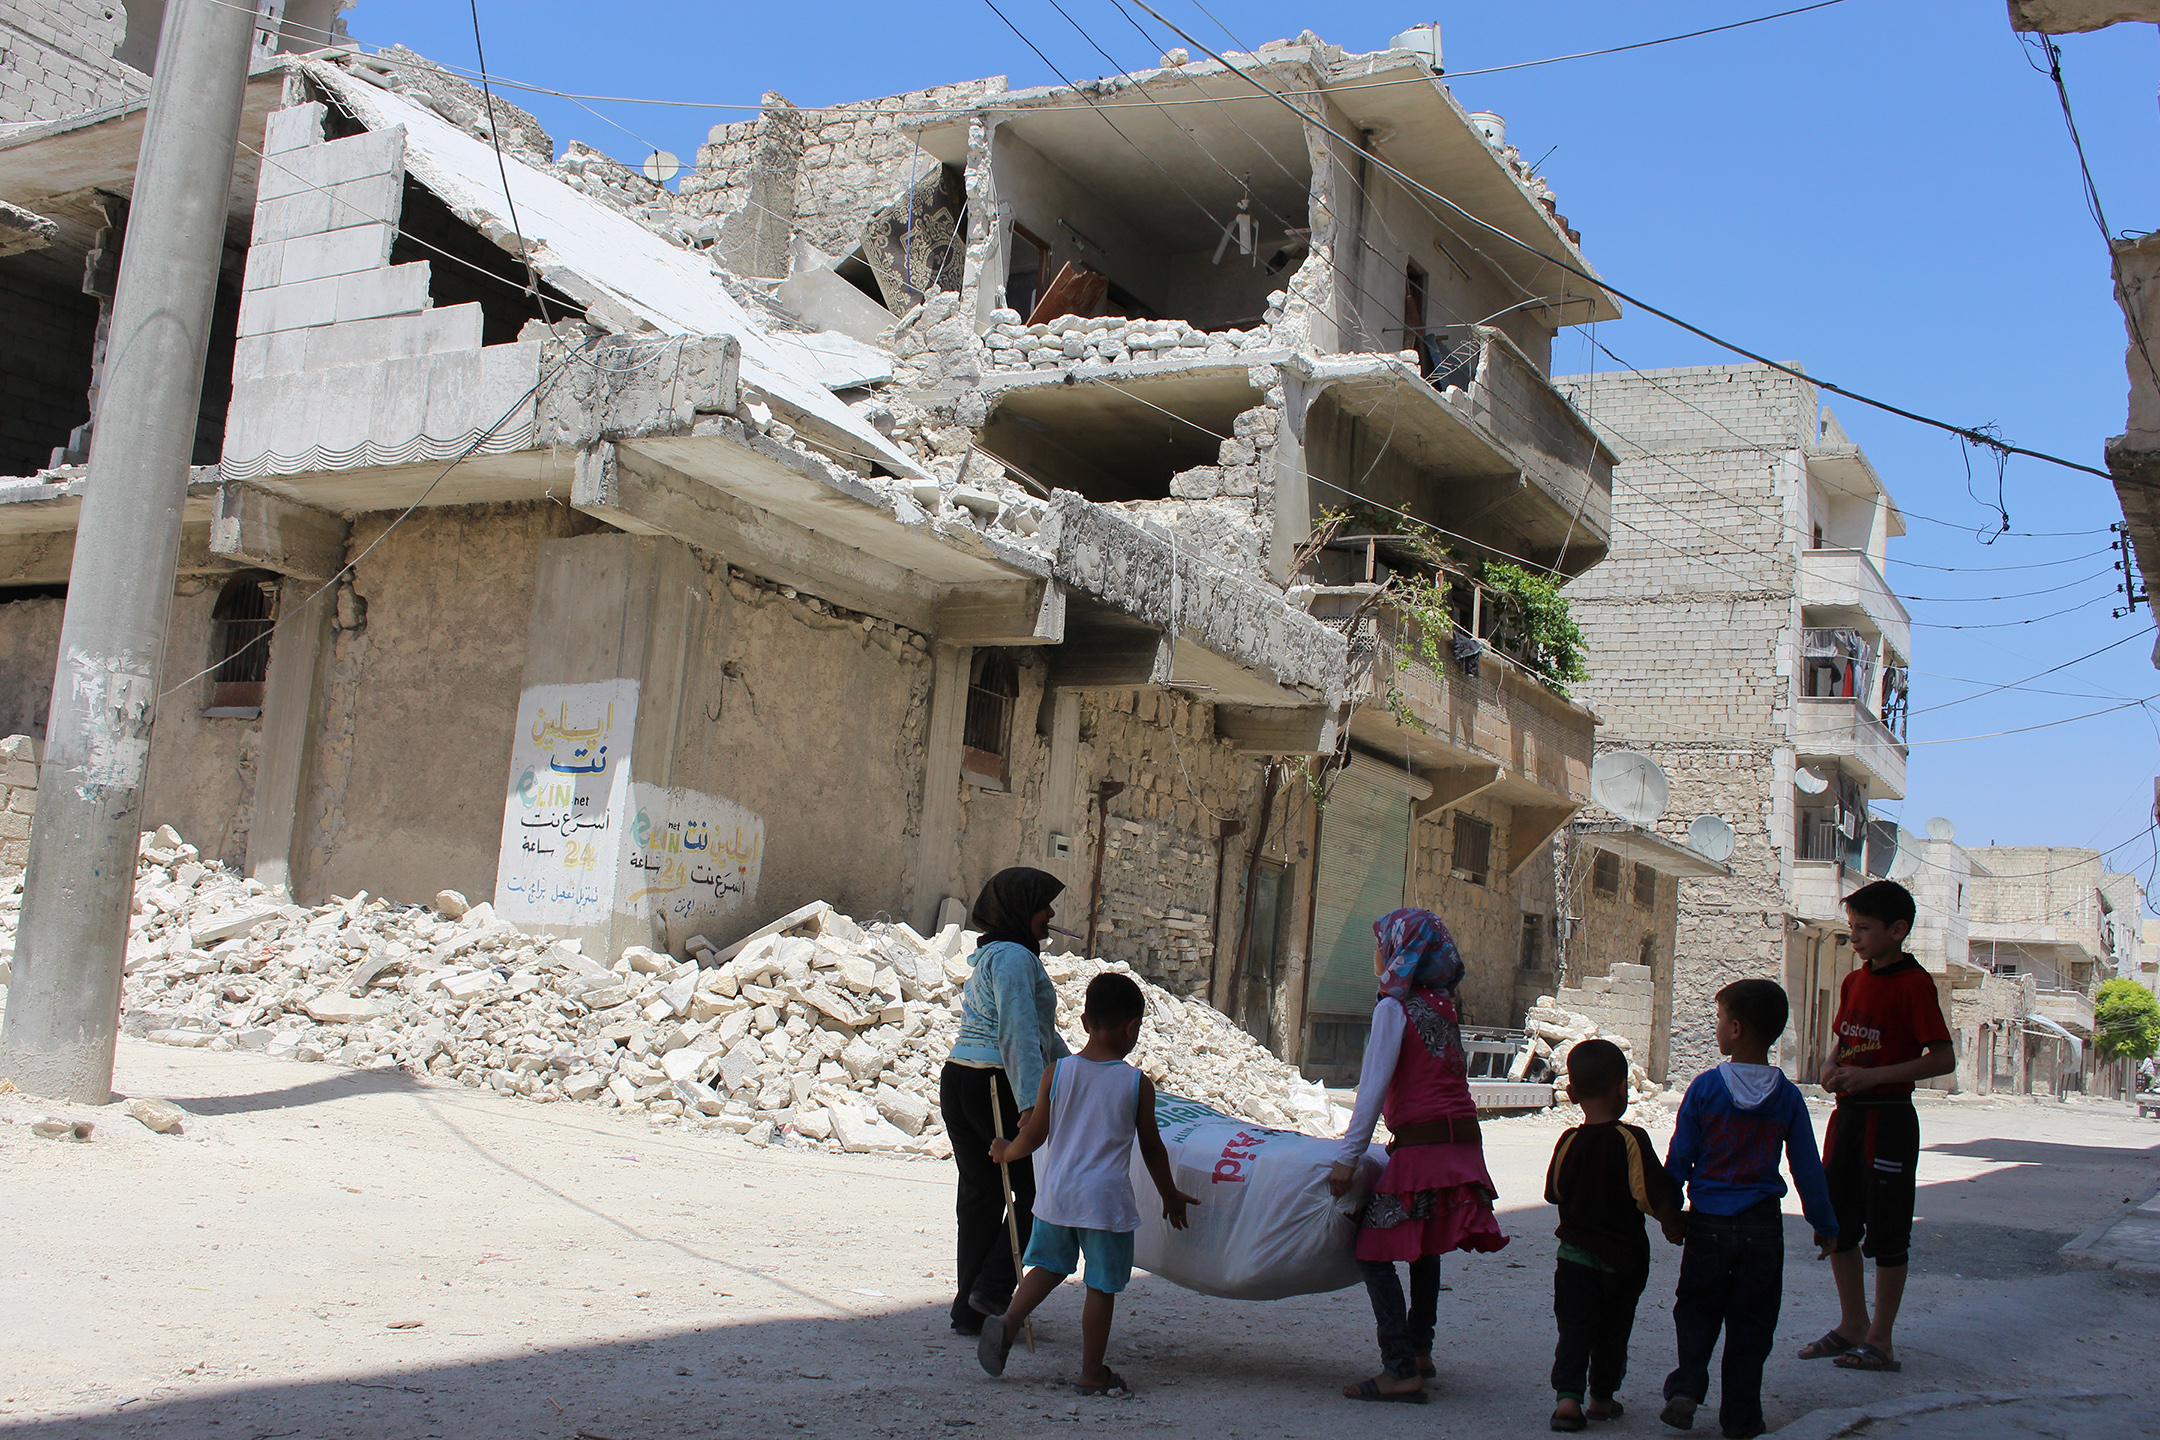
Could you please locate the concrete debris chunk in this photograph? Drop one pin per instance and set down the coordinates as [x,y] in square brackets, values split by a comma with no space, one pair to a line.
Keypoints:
[160,1116]
[814,1029]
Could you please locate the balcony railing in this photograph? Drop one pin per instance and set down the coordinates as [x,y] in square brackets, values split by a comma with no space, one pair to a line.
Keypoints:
[1847,581]
[2071,1009]
[1516,404]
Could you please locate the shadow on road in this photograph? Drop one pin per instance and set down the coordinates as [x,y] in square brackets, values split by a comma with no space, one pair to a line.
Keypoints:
[334,1085]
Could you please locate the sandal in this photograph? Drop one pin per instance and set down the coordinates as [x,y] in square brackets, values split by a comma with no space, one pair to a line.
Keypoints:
[1370,1390]
[1613,1411]
[1864,1356]
[1831,1344]
[1425,1368]
[1112,1386]
[1569,1423]
[994,1345]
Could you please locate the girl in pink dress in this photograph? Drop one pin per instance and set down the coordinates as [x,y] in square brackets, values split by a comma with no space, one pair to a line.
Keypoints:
[1435,1195]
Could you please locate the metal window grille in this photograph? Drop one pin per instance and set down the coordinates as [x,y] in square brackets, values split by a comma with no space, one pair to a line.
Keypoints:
[1605,873]
[242,621]
[986,730]
[1645,886]
[1473,848]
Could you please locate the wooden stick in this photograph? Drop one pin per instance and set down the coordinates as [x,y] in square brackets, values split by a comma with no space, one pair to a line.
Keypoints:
[1012,1216]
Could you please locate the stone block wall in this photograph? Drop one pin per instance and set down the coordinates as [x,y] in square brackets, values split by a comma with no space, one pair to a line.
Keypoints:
[1621,1001]
[19,755]
[57,59]
[820,172]
[1159,872]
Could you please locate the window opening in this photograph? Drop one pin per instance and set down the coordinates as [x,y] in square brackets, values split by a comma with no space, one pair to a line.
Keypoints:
[1027,258]
[490,276]
[1473,849]
[1645,886]
[1647,956]
[1533,940]
[1605,873]
[241,622]
[986,731]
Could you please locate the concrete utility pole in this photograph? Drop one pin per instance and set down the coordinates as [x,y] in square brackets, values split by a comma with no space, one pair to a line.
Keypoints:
[64,1006]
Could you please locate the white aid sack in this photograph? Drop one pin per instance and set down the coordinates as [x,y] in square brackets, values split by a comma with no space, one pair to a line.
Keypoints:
[1265,1226]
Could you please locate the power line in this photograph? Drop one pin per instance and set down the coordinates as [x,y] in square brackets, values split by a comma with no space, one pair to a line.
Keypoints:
[2044,725]
[502,168]
[1638,45]
[2085,604]
[1968,433]
[2039,674]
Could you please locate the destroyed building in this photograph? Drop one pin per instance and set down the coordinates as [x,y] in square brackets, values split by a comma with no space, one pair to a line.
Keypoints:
[933,484]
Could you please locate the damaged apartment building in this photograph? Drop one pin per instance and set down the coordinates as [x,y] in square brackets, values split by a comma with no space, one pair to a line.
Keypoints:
[933,484]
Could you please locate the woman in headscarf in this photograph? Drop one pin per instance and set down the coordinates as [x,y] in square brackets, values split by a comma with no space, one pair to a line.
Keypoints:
[1435,1195]
[1008,1034]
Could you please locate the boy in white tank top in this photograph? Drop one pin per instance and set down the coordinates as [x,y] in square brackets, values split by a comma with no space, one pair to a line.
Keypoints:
[1090,1109]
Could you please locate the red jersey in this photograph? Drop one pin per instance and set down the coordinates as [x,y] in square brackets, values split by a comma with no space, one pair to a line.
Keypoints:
[1887,1017]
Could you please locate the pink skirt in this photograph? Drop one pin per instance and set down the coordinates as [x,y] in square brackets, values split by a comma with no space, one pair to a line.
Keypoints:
[1430,1200]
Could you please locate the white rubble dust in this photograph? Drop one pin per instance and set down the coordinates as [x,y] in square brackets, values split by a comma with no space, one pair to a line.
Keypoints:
[823,1033]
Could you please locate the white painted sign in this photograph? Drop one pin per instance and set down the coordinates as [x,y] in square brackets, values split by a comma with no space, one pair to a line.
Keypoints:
[565,820]
[688,858]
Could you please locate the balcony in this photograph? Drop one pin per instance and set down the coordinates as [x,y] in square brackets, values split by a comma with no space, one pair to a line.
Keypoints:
[1847,731]
[1523,473]
[1500,735]
[2071,1009]
[1843,588]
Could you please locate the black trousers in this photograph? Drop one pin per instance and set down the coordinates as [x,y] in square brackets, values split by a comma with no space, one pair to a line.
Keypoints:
[1406,1332]
[986,1262]
[1732,1275]
[1596,1314]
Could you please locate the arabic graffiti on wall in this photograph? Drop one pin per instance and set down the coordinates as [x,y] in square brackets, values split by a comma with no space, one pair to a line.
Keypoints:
[688,858]
[564,821]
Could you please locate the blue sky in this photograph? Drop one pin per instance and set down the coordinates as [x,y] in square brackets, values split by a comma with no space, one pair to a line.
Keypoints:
[1882,191]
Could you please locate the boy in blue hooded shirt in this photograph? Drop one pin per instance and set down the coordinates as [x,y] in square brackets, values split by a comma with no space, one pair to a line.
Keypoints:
[1724,1151]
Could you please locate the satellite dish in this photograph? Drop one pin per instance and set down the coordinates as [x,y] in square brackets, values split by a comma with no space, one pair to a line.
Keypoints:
[1906,862]
[1941,829]
[1711,837]
[661,167]
[1631,786]
[1809,782]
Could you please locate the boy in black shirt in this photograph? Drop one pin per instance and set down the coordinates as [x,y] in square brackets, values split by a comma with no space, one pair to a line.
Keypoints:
[1605,1177]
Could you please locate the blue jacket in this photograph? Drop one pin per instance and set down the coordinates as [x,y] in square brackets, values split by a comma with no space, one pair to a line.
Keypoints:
[1008,1017]
[1726,1154]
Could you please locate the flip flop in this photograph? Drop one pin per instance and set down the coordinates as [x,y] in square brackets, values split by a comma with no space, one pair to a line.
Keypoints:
[1864,1356]
[1425,1368]
[1568,1423]
[1679,1412]
[1113,1386]
[1370,1390]
[1830,1345]
[1614,1413]
[994,1345]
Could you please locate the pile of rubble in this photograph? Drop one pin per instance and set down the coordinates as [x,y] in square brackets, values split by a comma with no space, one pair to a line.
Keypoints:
[1551,1032]
[814,1029]
[1072,340]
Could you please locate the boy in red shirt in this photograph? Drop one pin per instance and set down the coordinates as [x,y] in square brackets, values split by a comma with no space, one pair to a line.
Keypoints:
[1890,1033]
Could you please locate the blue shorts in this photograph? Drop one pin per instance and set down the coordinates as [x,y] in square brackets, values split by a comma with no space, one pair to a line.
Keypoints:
[1058,1248]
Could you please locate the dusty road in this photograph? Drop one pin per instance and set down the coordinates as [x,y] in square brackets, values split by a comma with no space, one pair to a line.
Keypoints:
[574,1273]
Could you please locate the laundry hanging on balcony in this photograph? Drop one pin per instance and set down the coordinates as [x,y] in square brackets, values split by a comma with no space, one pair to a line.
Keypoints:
[1837,664]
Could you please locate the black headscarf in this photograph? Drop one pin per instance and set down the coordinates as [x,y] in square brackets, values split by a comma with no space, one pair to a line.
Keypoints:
[1009,903]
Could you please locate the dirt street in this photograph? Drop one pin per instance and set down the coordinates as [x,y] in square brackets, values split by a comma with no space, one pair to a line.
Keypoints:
[331,1253]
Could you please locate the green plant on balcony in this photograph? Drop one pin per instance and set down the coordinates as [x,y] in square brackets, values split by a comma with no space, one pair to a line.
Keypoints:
[1537,623]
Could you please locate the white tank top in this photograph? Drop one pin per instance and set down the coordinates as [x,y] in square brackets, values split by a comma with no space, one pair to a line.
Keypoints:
[1085,1180]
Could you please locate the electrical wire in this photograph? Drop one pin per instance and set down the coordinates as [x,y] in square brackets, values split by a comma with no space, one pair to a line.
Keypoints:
[502,168]
[349,566]
[2086,604]
[2038,674]
[1969,433]
[2044,725]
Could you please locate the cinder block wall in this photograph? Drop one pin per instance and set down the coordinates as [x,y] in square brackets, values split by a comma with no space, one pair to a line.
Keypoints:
[1692,623]
[56,58]
[1621,1001]
[19,757]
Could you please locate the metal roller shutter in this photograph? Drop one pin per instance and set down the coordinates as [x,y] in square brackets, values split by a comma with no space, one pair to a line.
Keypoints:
[1364,862]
